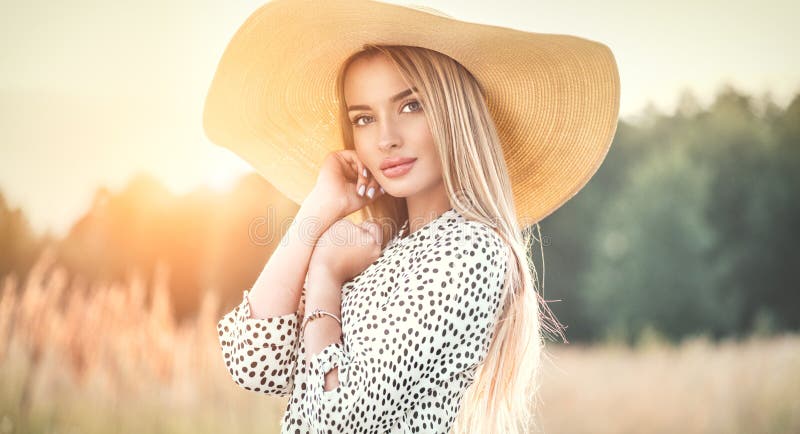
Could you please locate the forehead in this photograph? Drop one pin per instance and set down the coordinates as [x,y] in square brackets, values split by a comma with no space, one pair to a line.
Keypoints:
[372,80]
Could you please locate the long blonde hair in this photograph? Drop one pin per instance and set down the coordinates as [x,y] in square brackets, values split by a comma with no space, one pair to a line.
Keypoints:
[503,397]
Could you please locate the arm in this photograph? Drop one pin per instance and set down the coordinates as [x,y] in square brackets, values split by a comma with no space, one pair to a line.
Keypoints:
[259,336]
[260,353]
[277,290]
[323,331]
[436,323]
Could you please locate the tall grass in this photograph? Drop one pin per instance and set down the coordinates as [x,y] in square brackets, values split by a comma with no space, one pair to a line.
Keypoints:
[102,358]
[752,386]
[89,357]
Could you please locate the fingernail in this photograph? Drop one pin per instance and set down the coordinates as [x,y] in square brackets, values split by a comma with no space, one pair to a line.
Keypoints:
[371,192]
[361,189]
[382,190]
[365,172]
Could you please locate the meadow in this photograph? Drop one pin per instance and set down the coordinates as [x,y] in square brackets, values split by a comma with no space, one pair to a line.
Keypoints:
[91,357]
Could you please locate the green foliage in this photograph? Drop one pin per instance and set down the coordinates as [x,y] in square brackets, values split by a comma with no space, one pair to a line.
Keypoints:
[689,227]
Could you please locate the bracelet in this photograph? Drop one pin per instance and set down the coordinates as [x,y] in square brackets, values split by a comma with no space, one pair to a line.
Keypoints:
[317,313]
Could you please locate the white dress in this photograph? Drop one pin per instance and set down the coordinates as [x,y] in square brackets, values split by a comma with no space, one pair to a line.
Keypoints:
[416,323]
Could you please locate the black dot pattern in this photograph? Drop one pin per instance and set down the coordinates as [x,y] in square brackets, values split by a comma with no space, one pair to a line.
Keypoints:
[416,324]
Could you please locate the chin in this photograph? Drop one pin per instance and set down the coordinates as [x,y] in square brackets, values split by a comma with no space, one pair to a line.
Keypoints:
[397,192]
[408,186]
[403,191]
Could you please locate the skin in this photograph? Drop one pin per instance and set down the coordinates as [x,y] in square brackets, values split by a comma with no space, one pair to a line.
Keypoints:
[382,127]
[392,129]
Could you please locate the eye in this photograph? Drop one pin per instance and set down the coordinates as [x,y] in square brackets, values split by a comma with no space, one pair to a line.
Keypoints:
[413,103]
[357,118]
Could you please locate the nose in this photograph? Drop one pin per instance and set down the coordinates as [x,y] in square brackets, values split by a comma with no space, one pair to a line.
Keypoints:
[389,135]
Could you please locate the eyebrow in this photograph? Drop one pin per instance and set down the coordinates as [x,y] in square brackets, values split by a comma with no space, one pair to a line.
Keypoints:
[400,95]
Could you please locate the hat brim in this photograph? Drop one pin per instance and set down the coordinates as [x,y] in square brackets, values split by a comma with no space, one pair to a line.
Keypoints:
[272,101]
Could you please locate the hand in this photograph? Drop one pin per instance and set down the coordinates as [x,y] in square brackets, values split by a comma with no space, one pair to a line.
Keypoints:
[339,178]
[345,250]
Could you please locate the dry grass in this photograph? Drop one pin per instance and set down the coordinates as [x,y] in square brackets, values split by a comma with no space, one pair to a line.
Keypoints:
[697,387]
[97,358]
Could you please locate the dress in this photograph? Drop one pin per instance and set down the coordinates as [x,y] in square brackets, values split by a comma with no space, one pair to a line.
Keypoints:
[416,323]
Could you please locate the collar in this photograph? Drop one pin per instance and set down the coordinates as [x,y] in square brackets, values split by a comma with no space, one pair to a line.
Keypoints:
[428,229]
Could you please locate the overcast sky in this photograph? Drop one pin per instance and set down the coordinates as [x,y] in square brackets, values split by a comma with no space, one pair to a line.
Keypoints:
[92,92]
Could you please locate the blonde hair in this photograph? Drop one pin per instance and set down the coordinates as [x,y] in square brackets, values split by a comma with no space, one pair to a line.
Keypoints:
[503,397]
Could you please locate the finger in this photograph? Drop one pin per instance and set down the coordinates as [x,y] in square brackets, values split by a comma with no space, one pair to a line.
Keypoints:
[363,179]
[357,169]
[347,158]
[366,177]
[373,189]
[366,174]
[362,174]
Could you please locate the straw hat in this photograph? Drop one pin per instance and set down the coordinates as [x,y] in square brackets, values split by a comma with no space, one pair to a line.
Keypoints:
[272,101]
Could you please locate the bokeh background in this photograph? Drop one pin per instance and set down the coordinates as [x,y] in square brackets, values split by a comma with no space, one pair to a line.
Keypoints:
[125,234]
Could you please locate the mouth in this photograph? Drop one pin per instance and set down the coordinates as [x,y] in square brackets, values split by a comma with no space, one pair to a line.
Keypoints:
[399,169]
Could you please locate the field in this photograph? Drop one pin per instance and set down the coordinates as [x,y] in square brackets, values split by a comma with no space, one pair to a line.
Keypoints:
[97,358]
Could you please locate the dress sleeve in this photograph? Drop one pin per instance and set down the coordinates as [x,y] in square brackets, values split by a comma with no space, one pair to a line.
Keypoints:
[437,322]
[260,353]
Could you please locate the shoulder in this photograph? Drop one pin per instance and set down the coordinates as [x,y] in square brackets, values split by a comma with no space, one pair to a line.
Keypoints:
[484,234]
[471,238]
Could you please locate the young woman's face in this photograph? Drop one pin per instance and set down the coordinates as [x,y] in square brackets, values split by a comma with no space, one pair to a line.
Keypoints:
[388,122]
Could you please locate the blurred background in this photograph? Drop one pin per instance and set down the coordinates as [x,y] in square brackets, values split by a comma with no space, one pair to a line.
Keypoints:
[125,234]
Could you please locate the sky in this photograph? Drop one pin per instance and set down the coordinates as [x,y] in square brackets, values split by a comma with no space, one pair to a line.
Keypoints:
[93,92]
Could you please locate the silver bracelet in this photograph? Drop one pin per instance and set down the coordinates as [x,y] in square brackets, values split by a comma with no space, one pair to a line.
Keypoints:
[317,313]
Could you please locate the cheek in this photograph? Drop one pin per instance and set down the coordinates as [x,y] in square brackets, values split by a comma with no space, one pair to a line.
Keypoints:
[421,132]
[433,168]
[362,141]
[366,152]
[424,139]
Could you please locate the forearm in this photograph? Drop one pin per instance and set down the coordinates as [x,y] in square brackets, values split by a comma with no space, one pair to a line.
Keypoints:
[323,292]
[277,289]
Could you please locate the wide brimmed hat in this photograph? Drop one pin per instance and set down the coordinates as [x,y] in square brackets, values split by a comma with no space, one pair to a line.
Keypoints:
[554,98]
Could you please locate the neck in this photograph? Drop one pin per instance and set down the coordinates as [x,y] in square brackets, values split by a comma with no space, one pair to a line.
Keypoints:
[424,207]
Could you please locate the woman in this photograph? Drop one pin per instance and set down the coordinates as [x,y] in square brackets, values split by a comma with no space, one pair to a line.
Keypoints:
[438,328]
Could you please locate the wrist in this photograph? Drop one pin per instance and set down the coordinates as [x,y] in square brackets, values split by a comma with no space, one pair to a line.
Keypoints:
[322,284]
[321,315]
[320,272]
[325,301]
[314,218]
[322,205]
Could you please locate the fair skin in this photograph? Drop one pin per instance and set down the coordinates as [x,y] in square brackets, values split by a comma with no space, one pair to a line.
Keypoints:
[334,249]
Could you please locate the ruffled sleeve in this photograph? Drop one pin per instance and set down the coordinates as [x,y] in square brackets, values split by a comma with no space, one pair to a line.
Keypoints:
[436,323]
[260,353]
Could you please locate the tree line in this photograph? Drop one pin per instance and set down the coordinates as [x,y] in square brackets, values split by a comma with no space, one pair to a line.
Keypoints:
[688,227]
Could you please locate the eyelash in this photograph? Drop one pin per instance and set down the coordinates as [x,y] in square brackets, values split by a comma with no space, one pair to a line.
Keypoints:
[355,120]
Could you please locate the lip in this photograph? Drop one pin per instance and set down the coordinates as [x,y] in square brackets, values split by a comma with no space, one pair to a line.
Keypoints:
[401,169]
[394,161]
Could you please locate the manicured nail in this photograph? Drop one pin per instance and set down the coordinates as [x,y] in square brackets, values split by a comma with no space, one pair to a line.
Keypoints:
[371,192]
[365,172]
[361,189]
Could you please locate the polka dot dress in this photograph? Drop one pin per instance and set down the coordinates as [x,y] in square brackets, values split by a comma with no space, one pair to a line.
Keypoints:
[416,324]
